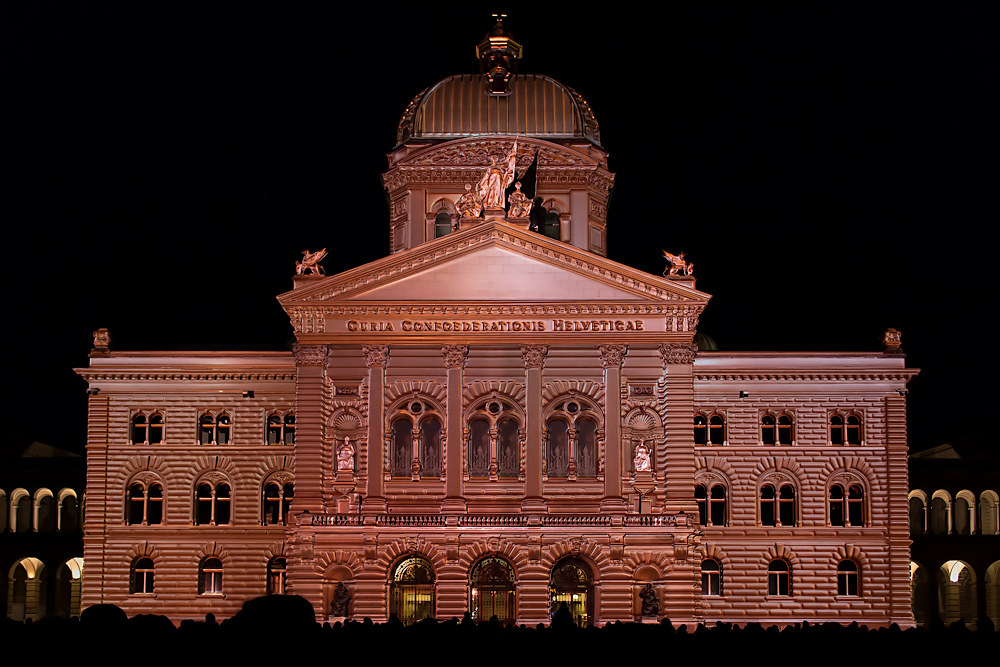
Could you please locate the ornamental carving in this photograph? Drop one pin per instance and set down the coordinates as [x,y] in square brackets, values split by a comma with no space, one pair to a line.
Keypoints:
[678,353]
[309,355]
[146,478]
[534,355]
[371,548]
[376,355]
[480,153]
[102,339]
[470,205]
[214,478]
[846,478]
[777,478]
[612,356]
[455,356]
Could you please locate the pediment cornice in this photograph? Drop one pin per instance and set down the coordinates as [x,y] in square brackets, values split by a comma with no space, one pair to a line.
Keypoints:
[494,233]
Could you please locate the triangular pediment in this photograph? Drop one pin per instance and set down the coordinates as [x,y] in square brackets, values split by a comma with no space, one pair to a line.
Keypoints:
[493,261]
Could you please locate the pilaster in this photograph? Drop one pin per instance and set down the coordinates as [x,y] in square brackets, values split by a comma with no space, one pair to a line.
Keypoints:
[455,357]
[376,358]
[900,604]
[534,360]
[678,384]
[612,357]
[310,376]
[95,517]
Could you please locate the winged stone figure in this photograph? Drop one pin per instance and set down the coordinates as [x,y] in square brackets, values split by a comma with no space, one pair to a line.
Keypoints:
[310,262]
[677,264]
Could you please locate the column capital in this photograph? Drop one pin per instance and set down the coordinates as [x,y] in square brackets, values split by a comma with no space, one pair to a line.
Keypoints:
[678,353]
[534,355]
[613,355]
[376,355]
[455,356]
[310,355]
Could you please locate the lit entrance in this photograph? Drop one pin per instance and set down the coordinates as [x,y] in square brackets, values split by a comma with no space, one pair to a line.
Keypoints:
[492,587]
[572,582]
[411,593]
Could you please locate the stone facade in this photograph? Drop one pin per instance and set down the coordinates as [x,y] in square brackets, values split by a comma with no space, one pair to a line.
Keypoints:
[500,421]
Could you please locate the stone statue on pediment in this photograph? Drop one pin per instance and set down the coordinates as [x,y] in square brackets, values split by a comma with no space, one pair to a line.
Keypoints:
[677,264]
[520,205]
[311,263]
[469,205]
[496,179]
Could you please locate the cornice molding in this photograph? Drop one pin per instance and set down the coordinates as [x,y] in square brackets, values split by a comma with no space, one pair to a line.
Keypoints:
[895,376]
[494,234]
[184,377]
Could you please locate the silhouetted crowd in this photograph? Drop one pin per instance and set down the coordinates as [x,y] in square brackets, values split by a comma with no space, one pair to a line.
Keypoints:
[281,625]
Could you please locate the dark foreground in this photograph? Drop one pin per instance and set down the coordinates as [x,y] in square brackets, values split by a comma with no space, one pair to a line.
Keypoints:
[283,625]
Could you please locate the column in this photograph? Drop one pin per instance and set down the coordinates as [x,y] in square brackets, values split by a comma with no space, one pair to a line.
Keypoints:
[678,378]
[310,371]
[455,357]
[534,360]
[377,358]
[612,357]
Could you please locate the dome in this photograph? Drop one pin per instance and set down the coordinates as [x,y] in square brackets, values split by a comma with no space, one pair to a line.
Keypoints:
[536,106]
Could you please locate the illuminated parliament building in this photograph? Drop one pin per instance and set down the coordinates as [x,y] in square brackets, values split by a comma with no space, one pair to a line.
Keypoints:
[495,418]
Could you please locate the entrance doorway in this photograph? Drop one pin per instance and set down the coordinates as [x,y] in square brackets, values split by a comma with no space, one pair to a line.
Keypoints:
[411,593]
[572,583]
[492,590]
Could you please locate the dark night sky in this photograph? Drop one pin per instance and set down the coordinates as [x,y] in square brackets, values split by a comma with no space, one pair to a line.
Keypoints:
[831,171]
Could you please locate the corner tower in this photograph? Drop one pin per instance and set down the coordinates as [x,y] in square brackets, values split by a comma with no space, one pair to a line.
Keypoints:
[452,132]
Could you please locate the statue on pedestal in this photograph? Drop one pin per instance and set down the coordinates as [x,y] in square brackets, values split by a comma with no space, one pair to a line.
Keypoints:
[341,601]
[345,457]
[641,460]
[469,205]
[496,180]
[310,262]
[677,264]
[520,205]
[650,604]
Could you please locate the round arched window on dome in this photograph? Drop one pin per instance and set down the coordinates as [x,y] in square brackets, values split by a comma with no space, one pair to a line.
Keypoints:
[572,583]
[492,590]
[411,592]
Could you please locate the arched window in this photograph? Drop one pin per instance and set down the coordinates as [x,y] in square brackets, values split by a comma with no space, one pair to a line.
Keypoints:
[847,578]
[778,578]
[494,444]
[147,429]
[777,508]
[145,504]
[68,520]
[711,577]
[276,576]
[571,439]
[845,430]
[552,227]
[45,511]
[709,429]
[847,505]
[712,510]
[141,581]
[210,577]
[4,511]
[417,441]
[963,513]
[572,583]
[557,448]
[411,593]
[776,430]
[214,429]
[988,523]
[277,501]
[442,224]
[20,511]
[213,504]
[280,429]
[939,514]
[917,515]
[492,590]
